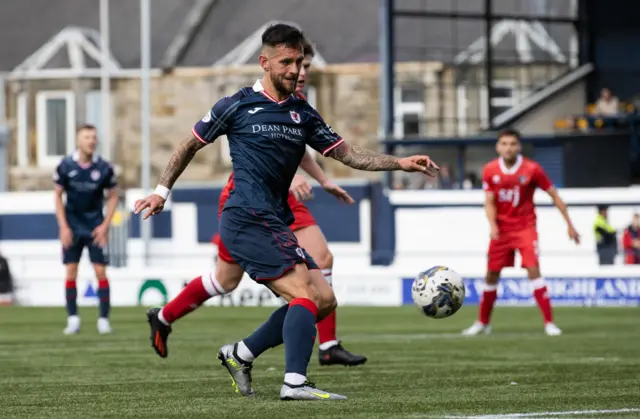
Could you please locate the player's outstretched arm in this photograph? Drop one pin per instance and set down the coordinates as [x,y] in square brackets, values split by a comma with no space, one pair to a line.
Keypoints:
[179,161]
[362,159]
[562,207]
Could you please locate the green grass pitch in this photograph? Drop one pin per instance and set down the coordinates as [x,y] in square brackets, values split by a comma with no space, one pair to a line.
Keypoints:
[418,367]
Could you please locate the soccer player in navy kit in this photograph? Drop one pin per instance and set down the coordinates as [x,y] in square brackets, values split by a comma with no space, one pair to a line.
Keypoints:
[84,177]
[268,128]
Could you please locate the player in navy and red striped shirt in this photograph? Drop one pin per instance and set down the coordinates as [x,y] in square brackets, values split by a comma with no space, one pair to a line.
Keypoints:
[308,233]
[268,128]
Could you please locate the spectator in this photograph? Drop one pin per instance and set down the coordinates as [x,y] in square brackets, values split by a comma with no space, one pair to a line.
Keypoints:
[631,242]
[606,240]
[470,181]
[607,105]
[6,282]
[444,178]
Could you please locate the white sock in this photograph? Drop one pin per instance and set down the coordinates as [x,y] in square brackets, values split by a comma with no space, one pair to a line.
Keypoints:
[211,284]
[162,319]
[538,283]
[294,378]
[328,275]
[244,353]
[327,345]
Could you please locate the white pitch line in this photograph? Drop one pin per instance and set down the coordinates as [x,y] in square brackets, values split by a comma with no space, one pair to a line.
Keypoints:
[538,414]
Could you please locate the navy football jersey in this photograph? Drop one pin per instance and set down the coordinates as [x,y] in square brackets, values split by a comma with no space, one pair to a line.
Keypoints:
[267,140]
[84,186]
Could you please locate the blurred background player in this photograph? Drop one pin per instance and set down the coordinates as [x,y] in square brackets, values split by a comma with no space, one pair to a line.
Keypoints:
[84,178]
[510,182]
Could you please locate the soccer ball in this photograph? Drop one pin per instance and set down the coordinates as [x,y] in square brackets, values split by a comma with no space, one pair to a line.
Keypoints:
[439,292]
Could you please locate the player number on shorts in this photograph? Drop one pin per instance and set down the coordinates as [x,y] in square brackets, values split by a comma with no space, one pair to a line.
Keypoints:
[509,195]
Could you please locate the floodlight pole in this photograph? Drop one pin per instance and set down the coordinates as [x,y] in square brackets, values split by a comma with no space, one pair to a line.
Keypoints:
[145,106]
[105,81]
[387,113]
[488,58]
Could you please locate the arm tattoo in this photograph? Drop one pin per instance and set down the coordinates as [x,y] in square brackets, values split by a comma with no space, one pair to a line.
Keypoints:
[362,159]
[180,160]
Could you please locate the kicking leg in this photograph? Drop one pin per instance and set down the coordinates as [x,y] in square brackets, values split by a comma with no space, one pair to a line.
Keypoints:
[200,289]
[330,349]
[288,325]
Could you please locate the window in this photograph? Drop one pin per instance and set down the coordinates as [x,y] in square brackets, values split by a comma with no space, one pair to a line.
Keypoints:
[23,129]
[505,94]
[409,111]
[55,122]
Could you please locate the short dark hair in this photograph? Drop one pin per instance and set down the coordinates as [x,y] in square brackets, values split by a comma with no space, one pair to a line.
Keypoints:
[282,34]
[83,127]
[510,132]
[308,48]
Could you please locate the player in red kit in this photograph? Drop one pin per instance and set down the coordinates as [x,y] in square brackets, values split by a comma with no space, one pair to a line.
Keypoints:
[228,274]
[510,182]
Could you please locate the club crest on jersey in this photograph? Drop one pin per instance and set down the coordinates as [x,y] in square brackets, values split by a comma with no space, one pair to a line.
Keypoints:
[95,175]
[496,179]
[523,180]
[295,116]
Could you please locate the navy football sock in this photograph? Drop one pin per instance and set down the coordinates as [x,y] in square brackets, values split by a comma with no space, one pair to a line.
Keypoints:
[104,297]
[299,333]
[71,295]
[269,335]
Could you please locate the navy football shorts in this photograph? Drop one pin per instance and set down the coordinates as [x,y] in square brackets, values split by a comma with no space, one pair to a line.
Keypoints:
[261,243]
[97,255]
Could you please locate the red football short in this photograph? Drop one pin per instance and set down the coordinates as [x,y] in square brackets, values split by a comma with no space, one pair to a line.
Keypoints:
[502,251]
[301,213]
[303,218]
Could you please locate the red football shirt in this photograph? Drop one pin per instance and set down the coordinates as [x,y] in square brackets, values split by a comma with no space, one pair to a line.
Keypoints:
[513,189]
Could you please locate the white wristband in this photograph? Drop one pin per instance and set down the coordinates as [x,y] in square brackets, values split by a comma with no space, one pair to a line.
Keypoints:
[163,191]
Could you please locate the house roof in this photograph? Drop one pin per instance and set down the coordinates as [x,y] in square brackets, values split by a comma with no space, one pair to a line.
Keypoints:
[342,30]
[46,18]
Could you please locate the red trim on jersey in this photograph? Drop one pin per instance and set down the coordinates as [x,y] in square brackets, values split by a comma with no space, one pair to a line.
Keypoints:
[333,146]
[268,96]
[195,134]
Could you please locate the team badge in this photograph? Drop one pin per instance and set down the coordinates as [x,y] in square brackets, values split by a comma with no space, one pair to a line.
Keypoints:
[295,116]
[207,117]
[523,180]
[95,175]
[496,179]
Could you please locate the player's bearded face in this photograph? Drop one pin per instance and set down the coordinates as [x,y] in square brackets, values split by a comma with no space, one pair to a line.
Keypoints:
[284,67]
[508,148]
